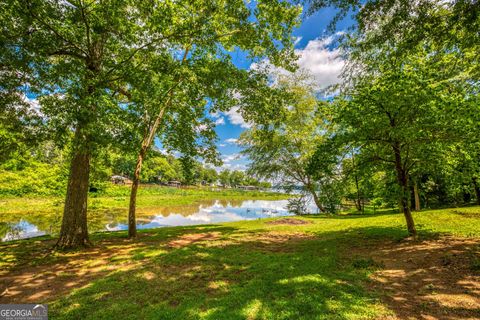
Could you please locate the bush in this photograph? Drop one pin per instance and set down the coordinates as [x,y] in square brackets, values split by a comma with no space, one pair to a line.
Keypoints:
[36,179]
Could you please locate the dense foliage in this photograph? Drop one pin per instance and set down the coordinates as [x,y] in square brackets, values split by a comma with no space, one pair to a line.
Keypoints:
[402,129]
[43,171]
[88,87]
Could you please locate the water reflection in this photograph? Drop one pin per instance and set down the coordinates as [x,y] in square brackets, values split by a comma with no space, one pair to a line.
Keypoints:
[204,212]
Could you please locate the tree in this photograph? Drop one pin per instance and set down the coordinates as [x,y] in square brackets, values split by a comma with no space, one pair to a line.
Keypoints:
[447,25]
[224,177]
[280,148]
[203,73]
[395,111]
[80,54]
[83,58]
[237,178]
[209,175]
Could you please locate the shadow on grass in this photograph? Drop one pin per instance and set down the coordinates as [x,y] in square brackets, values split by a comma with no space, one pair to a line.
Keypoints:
[240,275]
[354,215]
[237,274]
[236,280]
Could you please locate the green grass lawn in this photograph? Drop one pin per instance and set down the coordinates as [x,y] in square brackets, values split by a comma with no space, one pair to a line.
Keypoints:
[240,270]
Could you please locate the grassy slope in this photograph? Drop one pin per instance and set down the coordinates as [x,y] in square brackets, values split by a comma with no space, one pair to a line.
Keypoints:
[247,270]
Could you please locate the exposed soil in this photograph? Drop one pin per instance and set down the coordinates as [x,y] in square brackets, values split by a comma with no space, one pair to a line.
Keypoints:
[289,221]
[435,279]
[188,239]
[39,283]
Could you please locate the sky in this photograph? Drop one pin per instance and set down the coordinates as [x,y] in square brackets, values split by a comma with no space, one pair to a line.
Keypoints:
[317,55]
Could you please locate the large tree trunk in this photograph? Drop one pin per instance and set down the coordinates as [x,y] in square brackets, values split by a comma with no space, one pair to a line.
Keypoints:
[416,196]
[132,224]
[74,232]
[316,200]
[402,178]
[476,186]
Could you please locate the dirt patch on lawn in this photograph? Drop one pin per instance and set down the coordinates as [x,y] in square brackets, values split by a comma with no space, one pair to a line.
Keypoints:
[288,221]
[188,239]
[31,283]
[434,279]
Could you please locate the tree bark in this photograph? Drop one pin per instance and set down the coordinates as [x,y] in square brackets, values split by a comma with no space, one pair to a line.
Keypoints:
[402,178]
[317,201]
[476,186]
[74,232]
[132,224]
[358,202]
[416,196]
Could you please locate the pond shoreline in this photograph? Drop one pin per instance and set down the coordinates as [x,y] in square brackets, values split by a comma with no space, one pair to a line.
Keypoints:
[31,217]
[116,197]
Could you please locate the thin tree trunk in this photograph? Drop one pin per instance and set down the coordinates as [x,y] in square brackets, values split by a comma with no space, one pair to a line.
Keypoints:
[147,141]
[402,178]
[358,202]
[74,232]
[476,186]
[416,196]
[132,224]
[316,200]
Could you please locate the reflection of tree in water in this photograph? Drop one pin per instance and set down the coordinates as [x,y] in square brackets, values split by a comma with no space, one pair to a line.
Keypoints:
[50,221]
[10,229]
[184,210]
[45,221]
[231,203]
[98,219]
[146,215]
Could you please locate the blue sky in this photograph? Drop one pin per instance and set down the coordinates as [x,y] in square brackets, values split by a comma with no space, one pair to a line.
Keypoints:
[317,56]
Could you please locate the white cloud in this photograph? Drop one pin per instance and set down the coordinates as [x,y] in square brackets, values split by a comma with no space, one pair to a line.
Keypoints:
[201,127]
[234,161]
[33,104]
[297,40]
[227,158]
[236,118]
[322,63]
[231,141]
[220,121]
[236,166]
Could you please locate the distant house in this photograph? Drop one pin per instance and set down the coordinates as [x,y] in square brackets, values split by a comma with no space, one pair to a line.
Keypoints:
[120,180]
[247,187]
[174,183]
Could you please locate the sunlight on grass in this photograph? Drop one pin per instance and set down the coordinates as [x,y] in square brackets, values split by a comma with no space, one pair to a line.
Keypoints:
[240,270]
[308,278]
[252,309]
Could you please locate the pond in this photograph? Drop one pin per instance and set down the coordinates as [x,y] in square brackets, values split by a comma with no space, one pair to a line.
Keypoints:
[205,212]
